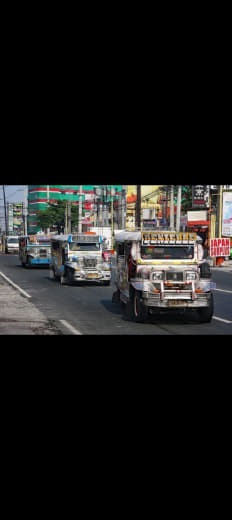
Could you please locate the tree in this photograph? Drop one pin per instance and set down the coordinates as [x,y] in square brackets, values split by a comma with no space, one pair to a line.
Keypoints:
[54,216]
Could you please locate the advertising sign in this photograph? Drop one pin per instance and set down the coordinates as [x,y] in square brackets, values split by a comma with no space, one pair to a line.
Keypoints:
[219,247]
[227,214]
[200,196]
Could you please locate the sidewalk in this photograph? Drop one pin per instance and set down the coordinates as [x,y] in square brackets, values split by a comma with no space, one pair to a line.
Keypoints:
[18,315]
[226,266]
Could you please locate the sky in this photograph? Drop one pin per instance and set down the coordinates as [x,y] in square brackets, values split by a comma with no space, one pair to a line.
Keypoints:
[14,193]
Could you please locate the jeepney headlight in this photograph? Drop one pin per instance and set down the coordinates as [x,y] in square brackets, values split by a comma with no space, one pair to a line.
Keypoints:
[158,275]
[191,276]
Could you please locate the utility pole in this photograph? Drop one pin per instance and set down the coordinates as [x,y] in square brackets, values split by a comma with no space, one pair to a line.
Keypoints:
[25,210]
[220,212]
[172,208]
[69,217]
[4,198]
[48,196]
[112,217]
[80,211]
[178,213]
[138,207]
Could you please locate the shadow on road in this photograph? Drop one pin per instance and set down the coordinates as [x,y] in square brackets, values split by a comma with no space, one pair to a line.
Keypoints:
[160,318]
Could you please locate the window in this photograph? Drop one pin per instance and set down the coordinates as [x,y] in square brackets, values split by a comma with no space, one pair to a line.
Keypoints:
[167,253]
[77,246]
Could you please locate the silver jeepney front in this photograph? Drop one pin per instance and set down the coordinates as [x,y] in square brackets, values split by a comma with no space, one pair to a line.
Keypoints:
[174,290]
[90,267]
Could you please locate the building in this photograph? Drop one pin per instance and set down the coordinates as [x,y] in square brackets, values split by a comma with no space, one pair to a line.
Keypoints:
[96,202]
[150,195]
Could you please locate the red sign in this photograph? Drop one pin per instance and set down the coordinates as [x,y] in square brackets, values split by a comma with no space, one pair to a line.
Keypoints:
[220,247]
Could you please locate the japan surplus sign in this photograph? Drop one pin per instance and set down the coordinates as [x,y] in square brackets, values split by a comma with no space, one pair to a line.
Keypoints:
[200,196]
[220,247]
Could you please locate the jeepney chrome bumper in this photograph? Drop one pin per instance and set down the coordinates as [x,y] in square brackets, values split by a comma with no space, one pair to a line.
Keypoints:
[177,301]
[95,276]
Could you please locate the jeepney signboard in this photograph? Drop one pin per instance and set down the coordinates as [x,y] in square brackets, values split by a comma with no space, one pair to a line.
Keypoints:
[219,247]
[168,238]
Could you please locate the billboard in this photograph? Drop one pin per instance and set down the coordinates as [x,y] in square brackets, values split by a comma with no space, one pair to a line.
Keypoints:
[219,247]
[15,218]
[149,198]
[227,214]
[200,196]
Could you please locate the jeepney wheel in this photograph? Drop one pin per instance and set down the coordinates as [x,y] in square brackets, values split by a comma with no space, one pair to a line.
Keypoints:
[62,280]
[139,309]
[106,282]
[28,262]
[205,315]
[69,277]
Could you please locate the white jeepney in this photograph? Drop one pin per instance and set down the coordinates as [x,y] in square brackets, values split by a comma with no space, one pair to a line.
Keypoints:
[158,271]
[80,257]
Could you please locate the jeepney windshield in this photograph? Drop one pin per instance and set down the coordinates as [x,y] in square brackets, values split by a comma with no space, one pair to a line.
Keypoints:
[78,246]
[167,252]
[12,240]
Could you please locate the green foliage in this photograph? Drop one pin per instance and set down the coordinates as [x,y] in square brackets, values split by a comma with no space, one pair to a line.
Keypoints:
[54,216]
[186,201]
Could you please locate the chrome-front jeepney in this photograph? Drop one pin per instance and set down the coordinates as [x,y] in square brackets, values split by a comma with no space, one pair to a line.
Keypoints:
[35,250]
[80,257]
[162,270]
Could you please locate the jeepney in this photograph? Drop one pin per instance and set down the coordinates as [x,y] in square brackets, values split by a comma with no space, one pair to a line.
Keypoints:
[160,271]
[80,257]
[35,250]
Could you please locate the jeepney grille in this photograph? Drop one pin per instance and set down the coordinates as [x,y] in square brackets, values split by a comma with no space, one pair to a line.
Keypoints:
[174,276]
[90,262]
[43,252]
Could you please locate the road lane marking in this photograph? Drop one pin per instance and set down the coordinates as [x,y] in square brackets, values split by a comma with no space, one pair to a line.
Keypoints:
[223,290]
[24,293]
[221,319]
[71,328]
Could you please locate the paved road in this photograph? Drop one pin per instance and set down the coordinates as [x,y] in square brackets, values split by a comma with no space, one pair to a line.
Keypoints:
[88,309]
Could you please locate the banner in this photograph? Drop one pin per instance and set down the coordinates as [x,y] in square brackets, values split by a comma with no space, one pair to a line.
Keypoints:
[219,247]
[227,214]
[200,196]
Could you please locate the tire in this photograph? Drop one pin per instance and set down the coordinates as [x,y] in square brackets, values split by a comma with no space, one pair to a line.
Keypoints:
[205,315]
[69,277]
[28,263]
[62,279]
[106,282]
[139,311]
[205,270]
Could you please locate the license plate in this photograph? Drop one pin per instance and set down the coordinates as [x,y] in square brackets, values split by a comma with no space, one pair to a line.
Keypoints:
[92,275]
[177,303]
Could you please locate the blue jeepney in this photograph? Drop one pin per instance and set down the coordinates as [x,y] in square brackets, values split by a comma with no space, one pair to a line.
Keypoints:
[35,250]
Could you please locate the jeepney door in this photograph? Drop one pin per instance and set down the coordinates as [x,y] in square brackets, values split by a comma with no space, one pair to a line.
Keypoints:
[121,272]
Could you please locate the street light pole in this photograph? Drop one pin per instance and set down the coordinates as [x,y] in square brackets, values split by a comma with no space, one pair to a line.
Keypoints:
[25,210]
[178,213]
[4,198]
[172,208]
[80,211]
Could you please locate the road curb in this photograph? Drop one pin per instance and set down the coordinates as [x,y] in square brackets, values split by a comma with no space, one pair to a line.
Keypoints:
[9,281]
